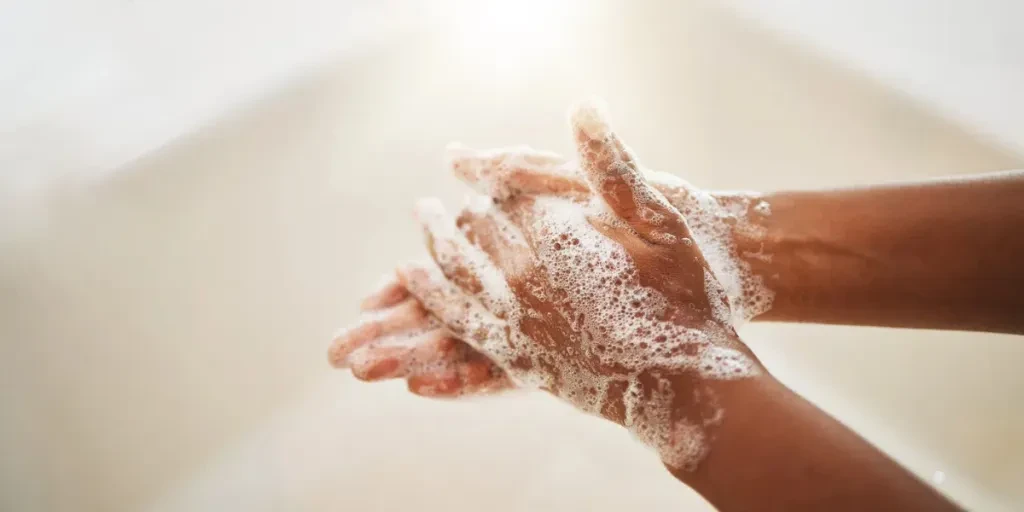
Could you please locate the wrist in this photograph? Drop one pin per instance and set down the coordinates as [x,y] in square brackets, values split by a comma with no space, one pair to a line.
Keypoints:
[735,411]
[800,257]
[701,407]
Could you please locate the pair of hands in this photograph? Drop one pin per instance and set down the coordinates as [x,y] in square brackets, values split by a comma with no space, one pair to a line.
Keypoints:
[614,288]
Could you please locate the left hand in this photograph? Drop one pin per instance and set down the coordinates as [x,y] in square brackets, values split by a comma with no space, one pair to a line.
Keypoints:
[398,339]
[438,364]
[658,323]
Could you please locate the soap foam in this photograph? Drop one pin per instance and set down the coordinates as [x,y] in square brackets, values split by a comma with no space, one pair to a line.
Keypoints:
[620,350]
[714,223]
[620,336]
[491,172]
[425,331]
[453,249]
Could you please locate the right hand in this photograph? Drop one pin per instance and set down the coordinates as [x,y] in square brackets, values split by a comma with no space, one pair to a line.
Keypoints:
[522,288]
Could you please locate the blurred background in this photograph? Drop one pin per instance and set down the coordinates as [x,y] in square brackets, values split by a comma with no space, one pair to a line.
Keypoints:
[195,194]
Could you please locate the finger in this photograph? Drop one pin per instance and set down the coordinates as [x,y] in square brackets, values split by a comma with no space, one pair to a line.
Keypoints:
[461,262]
[526,216]
[481,375]
[679,193]
[447,245]
[462,314]
[613,173]
[706,214]
[486,226]
[436,385]
[432,357]
[424,353]
[502,173]
[714,220]
[469,377]
[387,294]
[408,315]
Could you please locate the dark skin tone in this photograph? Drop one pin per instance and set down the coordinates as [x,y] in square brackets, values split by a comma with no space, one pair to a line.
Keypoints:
[865,256]
[862,257]
[935,255]
[543,333]
[776,451]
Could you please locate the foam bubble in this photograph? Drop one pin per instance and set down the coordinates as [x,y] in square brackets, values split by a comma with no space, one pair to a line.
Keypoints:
[618,328]
[714,224]
[620,339]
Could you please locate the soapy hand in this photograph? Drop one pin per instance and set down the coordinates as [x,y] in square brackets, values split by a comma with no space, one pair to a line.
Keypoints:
[607,301]
[440,365]
[728,225]
[587,282]
[398,338]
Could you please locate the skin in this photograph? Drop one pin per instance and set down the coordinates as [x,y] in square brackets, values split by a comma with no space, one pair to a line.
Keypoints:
[537,331]
[434,362]
[942,254]
[767,450]
[866,256]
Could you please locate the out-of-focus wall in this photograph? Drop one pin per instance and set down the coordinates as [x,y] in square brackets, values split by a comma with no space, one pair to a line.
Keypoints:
[961,58]
[163,330]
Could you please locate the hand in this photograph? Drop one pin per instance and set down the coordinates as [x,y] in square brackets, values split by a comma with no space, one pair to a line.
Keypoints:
[398,338]
[728,226]
[607,303]
[724,224]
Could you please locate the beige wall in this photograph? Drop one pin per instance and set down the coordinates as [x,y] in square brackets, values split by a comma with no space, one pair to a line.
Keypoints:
[163,331]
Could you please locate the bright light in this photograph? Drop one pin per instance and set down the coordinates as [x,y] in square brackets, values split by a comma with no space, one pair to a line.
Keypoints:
[511,36]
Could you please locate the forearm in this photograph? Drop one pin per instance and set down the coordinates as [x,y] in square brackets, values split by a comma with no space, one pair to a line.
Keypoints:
[775,451]
[945,254]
